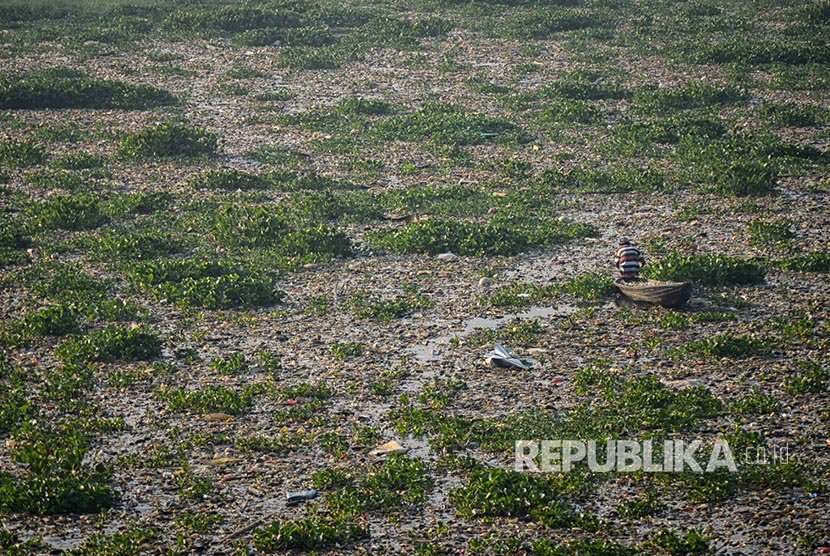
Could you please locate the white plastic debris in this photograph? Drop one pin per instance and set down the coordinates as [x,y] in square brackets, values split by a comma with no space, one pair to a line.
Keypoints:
[501,357]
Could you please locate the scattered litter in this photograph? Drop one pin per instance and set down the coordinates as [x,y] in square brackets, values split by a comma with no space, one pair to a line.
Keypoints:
[390,447]
[295,498]
[683,383]
[501,357]
[221,417]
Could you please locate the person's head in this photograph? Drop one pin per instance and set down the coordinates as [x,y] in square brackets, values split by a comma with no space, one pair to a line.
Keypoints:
[625,241]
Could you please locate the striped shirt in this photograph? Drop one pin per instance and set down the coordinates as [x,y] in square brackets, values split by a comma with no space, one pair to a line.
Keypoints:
[629,260]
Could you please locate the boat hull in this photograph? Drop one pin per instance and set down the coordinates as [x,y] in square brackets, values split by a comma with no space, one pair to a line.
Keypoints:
[667,294]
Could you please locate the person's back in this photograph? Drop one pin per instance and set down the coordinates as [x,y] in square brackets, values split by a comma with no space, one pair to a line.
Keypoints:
[628,259]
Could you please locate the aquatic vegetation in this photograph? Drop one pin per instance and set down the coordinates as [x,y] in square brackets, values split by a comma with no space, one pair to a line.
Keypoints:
[58,88]
[226,222]
[498,236]
[171,139]
[706,270]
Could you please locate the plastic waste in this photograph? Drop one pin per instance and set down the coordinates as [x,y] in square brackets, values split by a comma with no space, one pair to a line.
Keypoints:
[501,357]
[298,497]
[390,447]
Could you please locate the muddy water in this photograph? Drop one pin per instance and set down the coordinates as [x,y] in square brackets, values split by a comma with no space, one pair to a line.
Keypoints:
[435,348]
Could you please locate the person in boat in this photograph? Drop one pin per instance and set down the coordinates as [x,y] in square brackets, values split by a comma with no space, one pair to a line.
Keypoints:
[628,260]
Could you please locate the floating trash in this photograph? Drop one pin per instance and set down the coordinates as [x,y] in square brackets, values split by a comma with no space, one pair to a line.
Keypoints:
[501,357]
[390,447]
[299,497]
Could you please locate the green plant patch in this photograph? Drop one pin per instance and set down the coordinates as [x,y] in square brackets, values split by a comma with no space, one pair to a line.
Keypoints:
[386,487]
[642,505]
[312,411]
[313,36]
[232,89]
[311,533]
[382,388]
[344,350]
[70,285]
[589,287]
[755,403]
[57,320]
[316,391]
[171,139]
[445,124]
[76,212]
[810,377]
[505,493]
[386,309]
[298,58]
[770,233]
[515,332]
[742,178]
[13,236]
[210,399]
[670,542]
[125,204]
[670,131]
[309,208]
[16,407]
[153,273]
[713,316]
[453,200]
[637,403]
[501,235]
[68,387]
[589,548]
[730,345]
[543,22]
[616,180]
[119,244]
[743,164]
[686,97]
[59,179]
[328,119]
[133,541]
[386,30]
[790,114]
[706,270]
[21,153]
[230,20]
[583,85]
[209,284]
[249,226]
[232,366]
[749,52]
[55,479]
[64,282]
[811,262]
[13,546]
[113,343]
[39,90]
[199,522]
[285,443]
[80,161]
[570,111]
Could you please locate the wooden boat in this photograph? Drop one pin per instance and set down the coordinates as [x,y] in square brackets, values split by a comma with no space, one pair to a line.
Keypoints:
[667,294]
